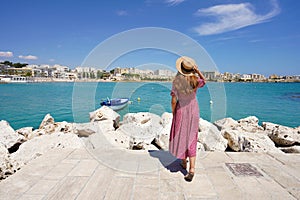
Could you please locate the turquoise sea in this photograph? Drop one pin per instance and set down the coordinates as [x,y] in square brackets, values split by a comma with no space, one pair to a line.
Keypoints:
[26,104]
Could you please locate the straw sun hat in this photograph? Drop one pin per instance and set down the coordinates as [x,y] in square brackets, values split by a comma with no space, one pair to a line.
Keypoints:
[185,65]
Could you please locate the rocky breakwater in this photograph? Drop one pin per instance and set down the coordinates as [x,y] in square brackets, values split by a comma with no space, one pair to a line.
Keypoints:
[138,131]
[19,147]
[145,131]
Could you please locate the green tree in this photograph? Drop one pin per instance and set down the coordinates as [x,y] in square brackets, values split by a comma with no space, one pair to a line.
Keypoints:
[19,65]
[7,63]
[28,74]
[99,75]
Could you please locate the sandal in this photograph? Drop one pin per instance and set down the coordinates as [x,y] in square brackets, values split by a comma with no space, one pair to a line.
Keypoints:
[189,177]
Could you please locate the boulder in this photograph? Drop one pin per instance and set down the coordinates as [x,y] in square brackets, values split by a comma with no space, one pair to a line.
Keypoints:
[47,124]
[226,123]
[85,129]
[162,141]
[138,129]
[249,120]
[268,126]
[35,133]
[105,113]
[40,145]
[162,138]
[166,120]
[200,147]
[249,142]
[292,149]
[7,165]
[284,136]
[141,118]
[210,137]
[249,124]
[63,127]
[26,132]
[8,137]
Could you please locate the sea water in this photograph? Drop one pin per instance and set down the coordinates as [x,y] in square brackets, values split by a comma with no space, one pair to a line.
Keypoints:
[25,105]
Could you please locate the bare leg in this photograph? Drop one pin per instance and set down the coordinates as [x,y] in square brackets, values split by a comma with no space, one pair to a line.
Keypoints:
[183,163]
[190,175]
[192,164]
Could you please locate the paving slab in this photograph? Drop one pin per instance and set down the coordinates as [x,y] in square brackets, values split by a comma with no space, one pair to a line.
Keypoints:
[68,188]
[120,188]
[121,174]
[98,184]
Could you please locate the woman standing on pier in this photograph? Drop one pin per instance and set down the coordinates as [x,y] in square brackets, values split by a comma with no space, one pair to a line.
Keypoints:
[185,109]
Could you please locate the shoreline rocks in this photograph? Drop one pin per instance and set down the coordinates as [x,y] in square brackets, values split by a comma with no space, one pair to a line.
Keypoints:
[138,131]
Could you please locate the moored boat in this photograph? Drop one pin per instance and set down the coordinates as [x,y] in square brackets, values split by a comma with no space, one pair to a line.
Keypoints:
[116,103]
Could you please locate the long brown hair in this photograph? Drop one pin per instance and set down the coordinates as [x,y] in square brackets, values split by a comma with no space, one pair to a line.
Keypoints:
[185,84]
[193,80]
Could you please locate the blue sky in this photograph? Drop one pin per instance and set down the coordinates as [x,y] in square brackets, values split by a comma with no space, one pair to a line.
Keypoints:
[240,35]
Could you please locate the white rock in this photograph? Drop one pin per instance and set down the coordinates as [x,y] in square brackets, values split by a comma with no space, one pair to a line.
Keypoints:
[226,123]
[250,142]
[7,165]
[249,120]
[85,129]
[200,147]
[48,124]
[284,136]
[138,129]
[162,138]
[166,120]
[48,120]
[269,127]
[40,145]
[26,132]
[249,124]
[8,137]
[105,113]
[292,149]
[141,118]
[211,137]
[35,133]
[232,137]
[162,141]
[63,127]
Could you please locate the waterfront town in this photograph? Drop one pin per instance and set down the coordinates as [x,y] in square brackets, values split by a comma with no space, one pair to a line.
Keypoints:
[17,72]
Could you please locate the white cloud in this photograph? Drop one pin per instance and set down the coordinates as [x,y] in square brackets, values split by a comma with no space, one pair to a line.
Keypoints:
[6,54]
[122,13]
[51,60]
[29,57]
[174,2]
[232,17]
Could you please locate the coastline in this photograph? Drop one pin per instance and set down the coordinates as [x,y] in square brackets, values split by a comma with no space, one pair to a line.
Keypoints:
[54,80]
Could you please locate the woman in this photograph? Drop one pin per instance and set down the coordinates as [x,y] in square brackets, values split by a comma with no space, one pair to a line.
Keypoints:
[185,109]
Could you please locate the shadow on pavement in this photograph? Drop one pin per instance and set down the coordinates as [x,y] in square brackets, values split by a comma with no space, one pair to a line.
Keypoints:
[170,162]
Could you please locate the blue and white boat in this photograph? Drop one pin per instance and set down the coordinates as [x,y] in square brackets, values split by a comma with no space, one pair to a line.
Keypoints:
[116,103]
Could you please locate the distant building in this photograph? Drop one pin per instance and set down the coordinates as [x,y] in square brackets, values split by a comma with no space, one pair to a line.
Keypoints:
[164,72]
[24,71]
[227,76]
[211,76]
[296,77]
[273,76]
[257,77]
[246,77]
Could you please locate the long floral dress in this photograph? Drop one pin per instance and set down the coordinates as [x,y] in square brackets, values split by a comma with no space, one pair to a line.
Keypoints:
[185,123]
